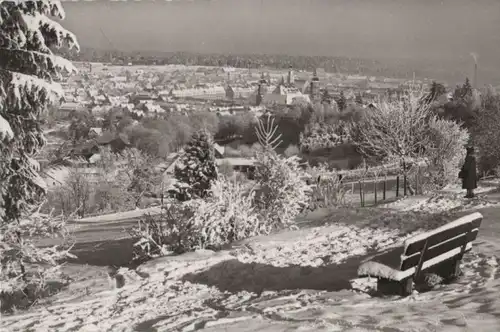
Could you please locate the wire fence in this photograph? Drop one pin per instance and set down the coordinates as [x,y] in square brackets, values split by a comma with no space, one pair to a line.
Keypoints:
[374,191]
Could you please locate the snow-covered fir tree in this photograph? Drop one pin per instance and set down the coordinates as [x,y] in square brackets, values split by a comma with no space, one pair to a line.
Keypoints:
[28,74]
[196,168]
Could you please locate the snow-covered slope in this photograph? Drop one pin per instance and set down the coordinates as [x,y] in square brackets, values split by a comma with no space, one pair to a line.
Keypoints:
[301,280]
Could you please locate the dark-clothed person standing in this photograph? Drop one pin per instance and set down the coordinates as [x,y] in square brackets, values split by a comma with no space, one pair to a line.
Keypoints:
[468,173]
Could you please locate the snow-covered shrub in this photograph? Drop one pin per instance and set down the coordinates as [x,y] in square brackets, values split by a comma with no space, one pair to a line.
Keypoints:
[227,215]
[28,72]
[486,133]
[321,135]
[291,150]
[444,154]
[329,191]
[283,192]
[26,268]
[196,168]
[170,232]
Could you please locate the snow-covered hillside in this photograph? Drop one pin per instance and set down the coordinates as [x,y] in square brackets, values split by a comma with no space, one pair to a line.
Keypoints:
[301,280]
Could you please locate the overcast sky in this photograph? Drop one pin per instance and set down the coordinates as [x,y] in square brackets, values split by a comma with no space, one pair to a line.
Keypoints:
[427,29]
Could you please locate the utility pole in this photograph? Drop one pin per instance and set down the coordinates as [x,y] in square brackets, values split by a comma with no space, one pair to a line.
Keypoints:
[474,83]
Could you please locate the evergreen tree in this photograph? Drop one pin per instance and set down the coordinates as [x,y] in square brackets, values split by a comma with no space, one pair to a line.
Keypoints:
[28,70]
[458,93]
[435,92]
[466,89]
[359,99]
[326,98]
[197,168]
[342,101]
[80,125]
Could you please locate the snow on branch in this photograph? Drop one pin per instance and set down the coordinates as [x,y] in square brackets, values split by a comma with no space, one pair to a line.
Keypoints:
[45,7]
[5,129]
[32,29]
[49,32]
[45,66]
[19,89]
[395,129]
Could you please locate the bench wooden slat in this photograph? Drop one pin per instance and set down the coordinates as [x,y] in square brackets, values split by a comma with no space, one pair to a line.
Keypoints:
[417,247]
[377,270]
[439,249]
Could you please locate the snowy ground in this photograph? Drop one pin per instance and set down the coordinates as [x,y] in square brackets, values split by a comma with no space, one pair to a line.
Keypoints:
[302,280]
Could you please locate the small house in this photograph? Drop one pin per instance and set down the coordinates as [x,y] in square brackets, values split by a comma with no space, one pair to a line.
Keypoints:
[243,165]
[219,151]
[117,142]
[95,132]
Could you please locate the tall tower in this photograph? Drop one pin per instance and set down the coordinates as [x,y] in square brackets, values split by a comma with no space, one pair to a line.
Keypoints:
[261,90]
[314,87]
[291,78]
[475,76]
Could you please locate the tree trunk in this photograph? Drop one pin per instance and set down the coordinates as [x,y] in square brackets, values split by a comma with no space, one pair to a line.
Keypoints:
[407,186]
[20,261]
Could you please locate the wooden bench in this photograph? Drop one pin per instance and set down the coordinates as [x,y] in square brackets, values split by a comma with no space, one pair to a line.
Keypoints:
[439,251]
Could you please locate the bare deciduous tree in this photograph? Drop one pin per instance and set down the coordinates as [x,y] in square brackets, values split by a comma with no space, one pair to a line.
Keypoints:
[266,133]
[396,130]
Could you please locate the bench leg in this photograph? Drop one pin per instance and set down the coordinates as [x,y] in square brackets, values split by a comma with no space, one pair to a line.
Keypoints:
[391,287]
[406,286]
[450,270]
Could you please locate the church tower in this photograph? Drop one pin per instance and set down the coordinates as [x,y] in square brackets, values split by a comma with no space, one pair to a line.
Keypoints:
[261,90]
[291,78]
[314,87]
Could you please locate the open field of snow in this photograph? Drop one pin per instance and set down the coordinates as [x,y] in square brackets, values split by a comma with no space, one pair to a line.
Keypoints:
[300,280]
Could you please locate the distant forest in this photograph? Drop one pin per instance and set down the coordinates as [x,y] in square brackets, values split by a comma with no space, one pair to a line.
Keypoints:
[330,64]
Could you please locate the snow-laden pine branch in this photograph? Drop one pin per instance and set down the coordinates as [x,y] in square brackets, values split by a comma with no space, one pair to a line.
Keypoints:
[5,129]
[19,89]
[44,66]
[28,26]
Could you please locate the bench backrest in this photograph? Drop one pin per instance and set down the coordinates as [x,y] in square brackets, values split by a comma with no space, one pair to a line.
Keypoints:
[442,243]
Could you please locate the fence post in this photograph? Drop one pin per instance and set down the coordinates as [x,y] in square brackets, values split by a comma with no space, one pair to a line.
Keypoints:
[385,187]
[361,194]
[375,185]
[352,189]
[397,186]
[363,184]
[417,177]
[404,185]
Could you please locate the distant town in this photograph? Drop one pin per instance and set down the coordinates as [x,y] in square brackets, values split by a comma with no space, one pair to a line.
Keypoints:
[148,91]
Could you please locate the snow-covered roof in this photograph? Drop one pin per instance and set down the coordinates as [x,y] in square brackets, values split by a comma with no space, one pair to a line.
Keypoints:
[70,106]
[236,161]
[96,130]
